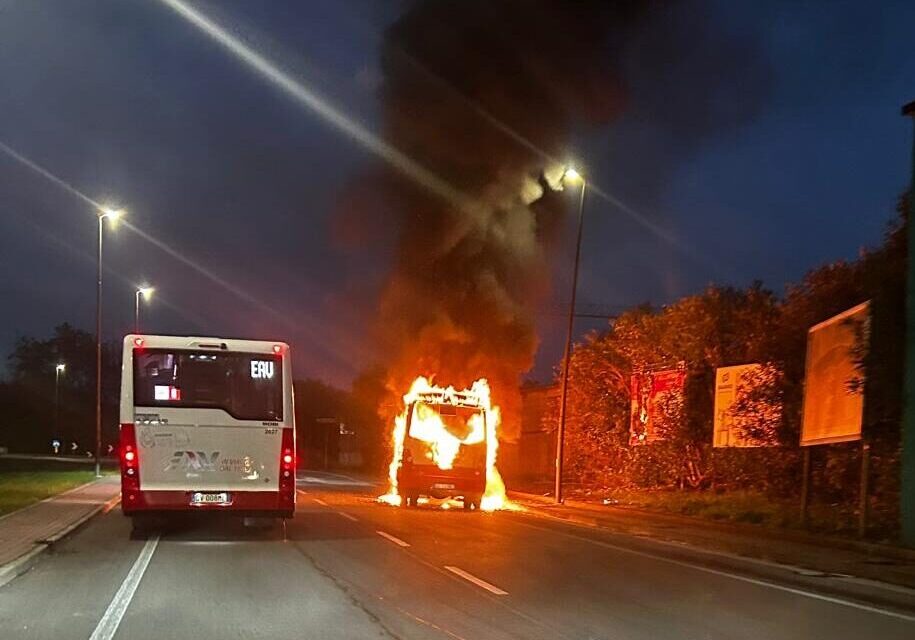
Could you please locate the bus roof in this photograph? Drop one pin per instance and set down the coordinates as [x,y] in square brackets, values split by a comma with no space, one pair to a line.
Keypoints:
[204,342]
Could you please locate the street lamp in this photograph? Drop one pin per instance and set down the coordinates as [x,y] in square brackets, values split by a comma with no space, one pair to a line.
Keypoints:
[112,216]
[570,175]
[146,291]
[59,369]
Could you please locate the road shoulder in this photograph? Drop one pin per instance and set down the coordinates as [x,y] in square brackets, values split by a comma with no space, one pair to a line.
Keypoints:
[29,532]
[860,573]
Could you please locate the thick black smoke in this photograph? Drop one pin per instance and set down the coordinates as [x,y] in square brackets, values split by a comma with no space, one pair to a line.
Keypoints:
[484,94]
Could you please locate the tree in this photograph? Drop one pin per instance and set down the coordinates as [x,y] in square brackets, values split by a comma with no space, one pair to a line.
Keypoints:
[28,420]
[725,326]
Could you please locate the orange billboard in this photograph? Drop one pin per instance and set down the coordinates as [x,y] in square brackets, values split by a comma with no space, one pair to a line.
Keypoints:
[728,382]
[833,402]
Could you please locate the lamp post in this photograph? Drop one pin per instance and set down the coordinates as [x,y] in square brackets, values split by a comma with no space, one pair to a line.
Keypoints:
[59,369]
[112,215]
[573,176]
[146,291]
[907,459]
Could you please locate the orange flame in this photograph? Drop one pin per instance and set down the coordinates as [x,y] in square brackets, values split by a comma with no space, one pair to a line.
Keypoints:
[444,445]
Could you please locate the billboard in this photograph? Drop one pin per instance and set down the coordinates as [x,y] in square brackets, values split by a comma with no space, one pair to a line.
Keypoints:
[832,404]
[730,382]
[651,392]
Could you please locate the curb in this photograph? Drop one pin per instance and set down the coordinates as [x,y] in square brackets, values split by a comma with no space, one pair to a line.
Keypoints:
[894,598]
[15,568]
[870,548]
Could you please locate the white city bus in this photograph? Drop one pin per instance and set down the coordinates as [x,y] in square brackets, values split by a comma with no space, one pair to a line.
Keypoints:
[207,424]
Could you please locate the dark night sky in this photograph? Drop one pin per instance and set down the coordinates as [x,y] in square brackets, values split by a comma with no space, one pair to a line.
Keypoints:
[130,105]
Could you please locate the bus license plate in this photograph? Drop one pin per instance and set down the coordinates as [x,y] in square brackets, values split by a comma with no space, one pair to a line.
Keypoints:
[442,485]
[210,498]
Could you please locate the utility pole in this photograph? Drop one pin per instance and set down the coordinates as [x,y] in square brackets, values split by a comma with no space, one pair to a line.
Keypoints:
[567,356]
[907,431]
[112,216]
[59,369]
[98,353]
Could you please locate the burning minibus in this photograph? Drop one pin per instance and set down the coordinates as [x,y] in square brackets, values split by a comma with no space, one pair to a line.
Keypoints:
[445,445]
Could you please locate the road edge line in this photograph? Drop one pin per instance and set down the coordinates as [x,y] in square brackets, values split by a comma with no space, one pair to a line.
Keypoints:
[888,609]
[108,624]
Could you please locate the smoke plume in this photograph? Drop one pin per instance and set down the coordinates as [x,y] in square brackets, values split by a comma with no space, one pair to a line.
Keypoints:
[484,94]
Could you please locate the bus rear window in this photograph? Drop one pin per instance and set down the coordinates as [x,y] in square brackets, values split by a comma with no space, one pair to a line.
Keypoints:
[247,386]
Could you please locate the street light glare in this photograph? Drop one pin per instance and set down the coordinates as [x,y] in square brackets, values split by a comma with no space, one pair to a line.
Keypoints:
[112,214]
[146,291]
[61,367]
[572,175]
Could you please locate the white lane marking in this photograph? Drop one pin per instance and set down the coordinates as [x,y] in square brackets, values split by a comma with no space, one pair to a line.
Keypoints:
[108,625]
[477,581]
[734,576]
[348,516]
[396,541]
[337,480]
[320,502]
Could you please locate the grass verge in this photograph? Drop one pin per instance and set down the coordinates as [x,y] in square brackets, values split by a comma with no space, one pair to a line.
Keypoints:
[19,489]
[24,482]
[751,507]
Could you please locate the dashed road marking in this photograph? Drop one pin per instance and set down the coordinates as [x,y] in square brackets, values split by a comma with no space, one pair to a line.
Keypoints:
[393,539]
[320,502]
[477,581]
[348,516]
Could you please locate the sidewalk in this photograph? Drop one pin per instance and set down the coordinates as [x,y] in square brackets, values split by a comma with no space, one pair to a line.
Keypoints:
[28,532]
[816,554]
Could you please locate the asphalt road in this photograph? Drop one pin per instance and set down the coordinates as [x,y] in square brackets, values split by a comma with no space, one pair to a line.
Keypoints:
[351,568]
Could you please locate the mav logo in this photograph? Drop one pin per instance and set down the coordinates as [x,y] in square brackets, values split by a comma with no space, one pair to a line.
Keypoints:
[192,461]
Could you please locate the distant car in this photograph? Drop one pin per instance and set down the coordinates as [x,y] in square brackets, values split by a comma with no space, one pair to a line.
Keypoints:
[425,471]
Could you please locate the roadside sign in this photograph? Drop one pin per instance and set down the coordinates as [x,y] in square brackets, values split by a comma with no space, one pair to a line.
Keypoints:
[727,385]
[650,392]
[833,403]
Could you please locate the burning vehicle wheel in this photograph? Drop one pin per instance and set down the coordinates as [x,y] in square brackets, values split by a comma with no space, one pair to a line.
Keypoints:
[472,502]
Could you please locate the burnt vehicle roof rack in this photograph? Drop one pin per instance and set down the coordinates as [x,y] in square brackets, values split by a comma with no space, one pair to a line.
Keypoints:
[456,398]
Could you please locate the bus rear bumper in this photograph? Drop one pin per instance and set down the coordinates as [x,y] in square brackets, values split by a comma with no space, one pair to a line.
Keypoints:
[243,503]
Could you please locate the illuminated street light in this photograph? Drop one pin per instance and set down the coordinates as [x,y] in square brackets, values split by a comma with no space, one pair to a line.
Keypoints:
[59,369]
[146,291]
[573,176]
[112,215]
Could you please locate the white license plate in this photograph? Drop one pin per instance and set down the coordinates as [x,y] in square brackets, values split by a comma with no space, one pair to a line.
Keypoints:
[442,485]
[210,498]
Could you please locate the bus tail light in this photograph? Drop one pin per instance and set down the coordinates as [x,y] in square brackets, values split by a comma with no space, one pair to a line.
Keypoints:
[130,465]
[287,465]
